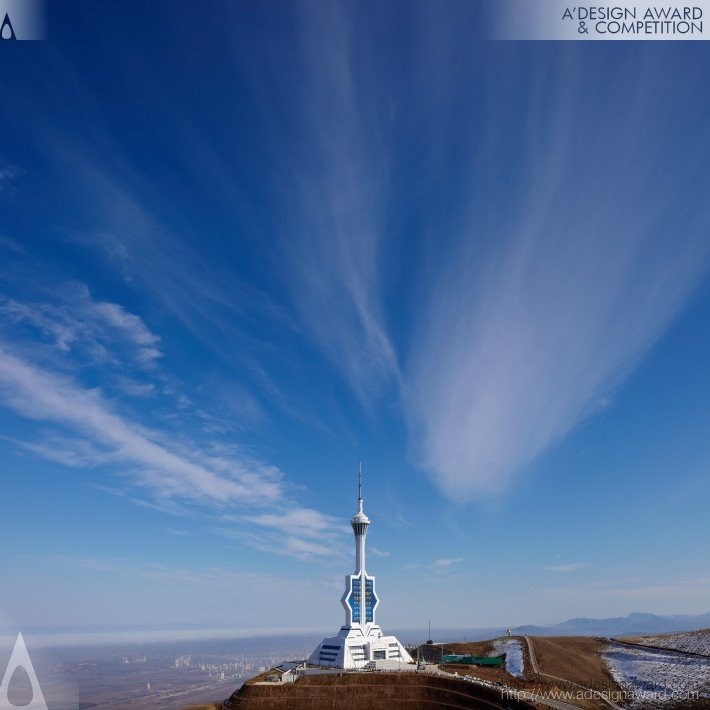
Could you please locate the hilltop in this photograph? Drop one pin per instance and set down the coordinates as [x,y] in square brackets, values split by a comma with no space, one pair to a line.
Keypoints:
[583,672]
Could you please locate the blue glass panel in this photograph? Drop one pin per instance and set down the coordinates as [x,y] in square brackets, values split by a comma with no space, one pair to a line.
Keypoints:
[370,600]
[353,601]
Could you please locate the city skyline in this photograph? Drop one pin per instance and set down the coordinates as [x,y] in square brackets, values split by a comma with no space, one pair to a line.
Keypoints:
[237,264]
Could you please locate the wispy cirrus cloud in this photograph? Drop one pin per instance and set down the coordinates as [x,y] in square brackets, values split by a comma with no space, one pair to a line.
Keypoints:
[303,533]
[533,302]
[548,298]
[379,553]
[438,571]
[158,470]
[510,361]
[158,467]
[444,563]
[569,567]
[278,543]
[11,245]
[210,299]
[334,240]
[156,571]
[310,523]
[78,323]
[101,435]
[8,174]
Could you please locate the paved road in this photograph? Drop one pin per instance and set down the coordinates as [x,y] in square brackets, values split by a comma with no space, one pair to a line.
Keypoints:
[536,669]
[531,654]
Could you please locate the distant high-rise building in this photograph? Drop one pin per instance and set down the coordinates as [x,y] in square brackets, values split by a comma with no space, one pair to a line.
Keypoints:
[360,641]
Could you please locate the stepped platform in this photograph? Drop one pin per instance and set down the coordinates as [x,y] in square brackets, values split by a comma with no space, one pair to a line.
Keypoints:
[373,690]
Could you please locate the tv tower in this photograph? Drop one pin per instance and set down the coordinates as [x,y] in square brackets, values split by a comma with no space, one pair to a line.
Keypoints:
[360,642]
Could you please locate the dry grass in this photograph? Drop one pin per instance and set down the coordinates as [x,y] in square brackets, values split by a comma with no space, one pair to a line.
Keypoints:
[473,648]
[575,658]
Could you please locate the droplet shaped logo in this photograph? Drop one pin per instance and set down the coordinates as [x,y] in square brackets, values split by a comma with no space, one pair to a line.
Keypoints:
[20,657]
[6,31]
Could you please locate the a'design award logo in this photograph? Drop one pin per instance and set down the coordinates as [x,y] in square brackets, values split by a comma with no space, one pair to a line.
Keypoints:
[6,30]
[21,658]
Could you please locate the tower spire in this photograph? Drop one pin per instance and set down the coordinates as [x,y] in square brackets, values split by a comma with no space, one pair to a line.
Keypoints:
[359,489]
[360,522]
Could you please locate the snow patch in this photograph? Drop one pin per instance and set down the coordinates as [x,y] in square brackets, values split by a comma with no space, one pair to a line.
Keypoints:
[656,678]
[513,655]
[688,641]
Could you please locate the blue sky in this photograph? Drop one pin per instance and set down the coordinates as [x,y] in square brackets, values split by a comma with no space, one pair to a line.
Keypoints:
[246,245]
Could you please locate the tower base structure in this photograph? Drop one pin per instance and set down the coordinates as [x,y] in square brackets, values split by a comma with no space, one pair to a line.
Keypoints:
[351,649]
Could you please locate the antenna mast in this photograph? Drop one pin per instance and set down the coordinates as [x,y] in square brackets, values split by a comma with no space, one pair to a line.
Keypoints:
[359,488]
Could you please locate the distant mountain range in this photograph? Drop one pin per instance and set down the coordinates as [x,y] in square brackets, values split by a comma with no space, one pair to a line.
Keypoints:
[633,624]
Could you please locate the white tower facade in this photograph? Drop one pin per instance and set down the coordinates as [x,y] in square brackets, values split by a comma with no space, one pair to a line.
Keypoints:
[360,642]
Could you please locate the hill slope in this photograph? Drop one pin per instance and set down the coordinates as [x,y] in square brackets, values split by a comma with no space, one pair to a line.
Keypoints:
[375,691]
[688,641]
[653,678]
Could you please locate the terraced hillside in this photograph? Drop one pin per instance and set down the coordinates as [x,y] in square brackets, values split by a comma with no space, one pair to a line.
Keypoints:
[376,691]
[657,678]
[686,641]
